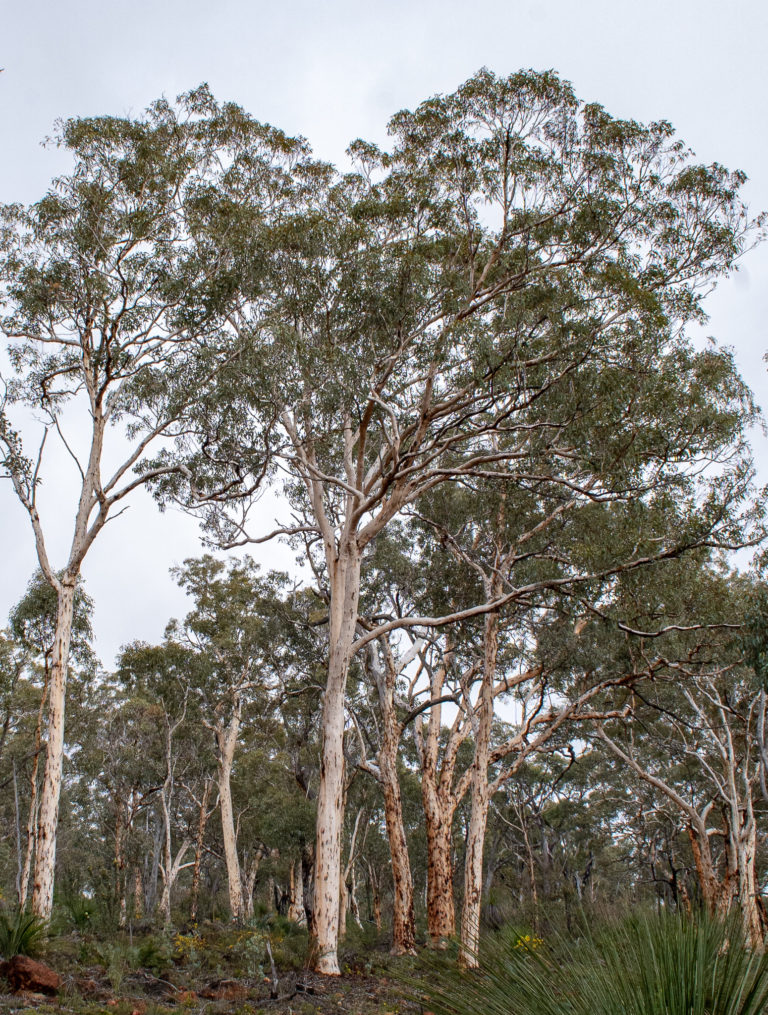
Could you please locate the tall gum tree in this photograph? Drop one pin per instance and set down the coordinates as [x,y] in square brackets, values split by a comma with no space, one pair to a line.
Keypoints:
[502,294]
[235,636]
[108,282]
[33,623]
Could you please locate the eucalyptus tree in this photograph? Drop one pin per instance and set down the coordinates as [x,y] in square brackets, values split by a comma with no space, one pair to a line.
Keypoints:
[502,538]
[237,631]
[159,679]
[503,293]
[699,708]
[112,293]
[33,621]
[118,760]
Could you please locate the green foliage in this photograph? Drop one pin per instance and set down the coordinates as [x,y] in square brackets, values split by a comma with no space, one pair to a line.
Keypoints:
[80,912]
[664,964]
[21,933]
[33,619]
[155,953]
[118,958]
[755,634]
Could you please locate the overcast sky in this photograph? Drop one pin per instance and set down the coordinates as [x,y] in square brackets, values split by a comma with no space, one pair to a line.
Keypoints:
[332,71]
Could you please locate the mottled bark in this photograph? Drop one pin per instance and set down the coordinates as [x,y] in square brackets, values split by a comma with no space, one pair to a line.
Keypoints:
[403,919]
[345,590]
[32,816]
[385,772]
[45,852]
[479,792]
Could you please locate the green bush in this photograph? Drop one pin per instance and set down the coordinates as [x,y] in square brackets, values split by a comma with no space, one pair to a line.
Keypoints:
[118,958]
[80,912]
[20,933]
[156,954]
[648,965]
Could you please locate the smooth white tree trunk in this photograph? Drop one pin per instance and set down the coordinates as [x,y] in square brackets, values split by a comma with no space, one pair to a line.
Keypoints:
[226,738]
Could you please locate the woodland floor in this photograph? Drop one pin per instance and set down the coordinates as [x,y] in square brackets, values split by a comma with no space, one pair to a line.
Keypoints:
[106,977]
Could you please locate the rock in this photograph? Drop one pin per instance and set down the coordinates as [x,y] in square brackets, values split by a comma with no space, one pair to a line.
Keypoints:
[24,973]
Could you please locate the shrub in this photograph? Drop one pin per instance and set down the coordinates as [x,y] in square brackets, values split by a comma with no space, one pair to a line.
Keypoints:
[80,912]
[117,958]
[156,954]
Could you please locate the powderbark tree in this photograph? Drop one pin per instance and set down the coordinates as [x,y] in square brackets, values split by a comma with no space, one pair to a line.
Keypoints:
[386,670]
[234,633]
[106,283]
[503,294]
[33,622]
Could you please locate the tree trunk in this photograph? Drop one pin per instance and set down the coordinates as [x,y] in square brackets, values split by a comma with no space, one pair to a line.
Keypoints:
[441,914]
[170,876]
[403,919]
[45,854]
[250,882]
[480,798]
[354,908]
[345,591]
[343,906]
[29,850]
[712,890]
[296,911]
[138,895]
[226,738]
[308,877]
[153,868]
[373,880]
[202,820]
[17,817]
[119,863]
[748,891]
[439,803]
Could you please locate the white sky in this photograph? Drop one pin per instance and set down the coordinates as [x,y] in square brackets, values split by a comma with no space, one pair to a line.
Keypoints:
[334,70]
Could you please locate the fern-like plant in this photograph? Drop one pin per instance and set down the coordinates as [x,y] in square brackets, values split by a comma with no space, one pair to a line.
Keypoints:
[663,964]
[21,933]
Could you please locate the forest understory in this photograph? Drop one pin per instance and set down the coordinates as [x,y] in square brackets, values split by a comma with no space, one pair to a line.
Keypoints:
[211,971]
